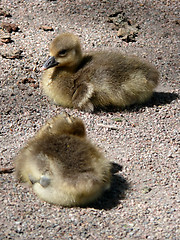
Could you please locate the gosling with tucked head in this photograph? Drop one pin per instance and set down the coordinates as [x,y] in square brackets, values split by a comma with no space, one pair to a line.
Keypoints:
[96,79]
[62,166]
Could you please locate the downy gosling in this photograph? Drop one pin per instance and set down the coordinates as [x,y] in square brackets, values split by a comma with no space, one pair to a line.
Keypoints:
[95,79]
[62,165]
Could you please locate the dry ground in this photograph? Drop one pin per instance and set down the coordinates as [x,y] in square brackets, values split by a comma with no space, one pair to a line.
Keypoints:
[143,201]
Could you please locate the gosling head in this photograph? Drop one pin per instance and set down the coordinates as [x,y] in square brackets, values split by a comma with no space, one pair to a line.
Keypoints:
[65,52]
[64,124]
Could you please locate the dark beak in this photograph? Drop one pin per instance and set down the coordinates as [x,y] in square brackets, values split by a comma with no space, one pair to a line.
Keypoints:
[51,62]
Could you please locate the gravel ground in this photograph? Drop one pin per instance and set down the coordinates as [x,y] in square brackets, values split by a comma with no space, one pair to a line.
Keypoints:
[142,140]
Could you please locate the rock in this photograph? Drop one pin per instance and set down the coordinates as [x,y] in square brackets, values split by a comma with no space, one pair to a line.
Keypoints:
[35,85]
[5,38]
[9,27]
[12,54]
[28,80]
[117,18]
[146,190]
[4,13]
[127,30]
[177,21]
[46,28]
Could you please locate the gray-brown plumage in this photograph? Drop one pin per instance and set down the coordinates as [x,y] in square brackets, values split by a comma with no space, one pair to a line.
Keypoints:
[62,166]
[96,79]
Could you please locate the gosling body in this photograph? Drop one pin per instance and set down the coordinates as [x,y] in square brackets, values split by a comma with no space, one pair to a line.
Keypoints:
[95,79]
[62,166]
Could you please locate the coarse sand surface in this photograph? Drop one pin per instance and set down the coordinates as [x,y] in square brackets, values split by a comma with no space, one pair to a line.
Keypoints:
[141,141]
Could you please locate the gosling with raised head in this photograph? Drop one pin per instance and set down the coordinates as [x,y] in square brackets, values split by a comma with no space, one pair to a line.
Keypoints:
[96,79]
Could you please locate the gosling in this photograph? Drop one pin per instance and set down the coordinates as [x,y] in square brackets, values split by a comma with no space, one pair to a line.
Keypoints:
[62,165]
[96,79]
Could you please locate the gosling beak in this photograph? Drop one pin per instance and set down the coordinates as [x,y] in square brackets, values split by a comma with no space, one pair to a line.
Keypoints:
[51,62]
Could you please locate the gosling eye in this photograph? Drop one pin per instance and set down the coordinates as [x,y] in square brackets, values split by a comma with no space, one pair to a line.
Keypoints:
[62,52]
